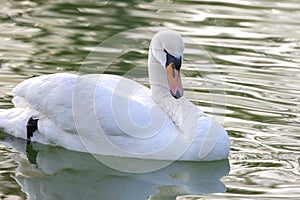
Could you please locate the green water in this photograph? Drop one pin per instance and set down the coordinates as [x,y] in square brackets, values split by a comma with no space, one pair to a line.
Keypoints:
[242,64]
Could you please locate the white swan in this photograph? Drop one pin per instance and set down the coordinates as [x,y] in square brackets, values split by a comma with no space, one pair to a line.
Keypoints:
[112,115]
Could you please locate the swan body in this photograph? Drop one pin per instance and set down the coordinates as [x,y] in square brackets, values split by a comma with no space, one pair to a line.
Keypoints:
[112,115]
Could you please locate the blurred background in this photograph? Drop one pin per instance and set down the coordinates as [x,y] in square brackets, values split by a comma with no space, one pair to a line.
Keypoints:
[252,49]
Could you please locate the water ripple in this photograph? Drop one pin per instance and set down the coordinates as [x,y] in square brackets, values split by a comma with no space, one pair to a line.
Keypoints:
[250,59]
[9,189]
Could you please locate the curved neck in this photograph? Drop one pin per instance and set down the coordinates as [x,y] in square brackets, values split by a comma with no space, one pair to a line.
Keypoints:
[158,79]
[176,109]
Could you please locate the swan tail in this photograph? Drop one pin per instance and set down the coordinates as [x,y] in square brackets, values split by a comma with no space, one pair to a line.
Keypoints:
[21,122]
[14,120]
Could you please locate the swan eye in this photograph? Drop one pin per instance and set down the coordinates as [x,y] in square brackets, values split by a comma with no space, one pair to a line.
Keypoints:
[172,59]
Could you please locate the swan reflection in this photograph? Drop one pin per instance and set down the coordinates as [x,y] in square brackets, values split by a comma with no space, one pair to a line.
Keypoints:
[48,172]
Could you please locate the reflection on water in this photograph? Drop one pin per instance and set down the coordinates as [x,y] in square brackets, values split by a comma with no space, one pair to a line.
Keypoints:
[46,172]
[255,46]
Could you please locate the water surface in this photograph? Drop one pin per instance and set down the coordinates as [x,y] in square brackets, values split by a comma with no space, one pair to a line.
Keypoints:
[248,80]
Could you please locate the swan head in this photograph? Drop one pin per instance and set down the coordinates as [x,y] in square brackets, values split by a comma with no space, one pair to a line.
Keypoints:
[167,48]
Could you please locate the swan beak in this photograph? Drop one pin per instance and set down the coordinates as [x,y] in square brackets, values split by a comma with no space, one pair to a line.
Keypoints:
[174,80]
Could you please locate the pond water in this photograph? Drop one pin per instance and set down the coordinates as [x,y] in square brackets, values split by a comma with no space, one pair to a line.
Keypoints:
[242,66]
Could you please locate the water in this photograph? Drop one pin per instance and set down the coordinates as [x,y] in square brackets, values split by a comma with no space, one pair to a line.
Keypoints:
[255,48]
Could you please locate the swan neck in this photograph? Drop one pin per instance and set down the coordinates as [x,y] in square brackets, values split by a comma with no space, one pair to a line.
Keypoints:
[158,79]
[176,109]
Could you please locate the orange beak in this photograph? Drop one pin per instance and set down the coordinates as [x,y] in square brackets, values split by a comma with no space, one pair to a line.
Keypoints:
[174,80]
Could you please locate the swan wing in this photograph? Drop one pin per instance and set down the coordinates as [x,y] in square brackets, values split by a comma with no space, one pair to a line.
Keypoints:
[119,104]
[48,96]
[103,108]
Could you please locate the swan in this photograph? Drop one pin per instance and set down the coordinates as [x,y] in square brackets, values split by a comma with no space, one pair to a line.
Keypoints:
[112,115]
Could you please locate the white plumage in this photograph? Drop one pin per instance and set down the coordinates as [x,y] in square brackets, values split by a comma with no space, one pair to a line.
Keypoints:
[112,115]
